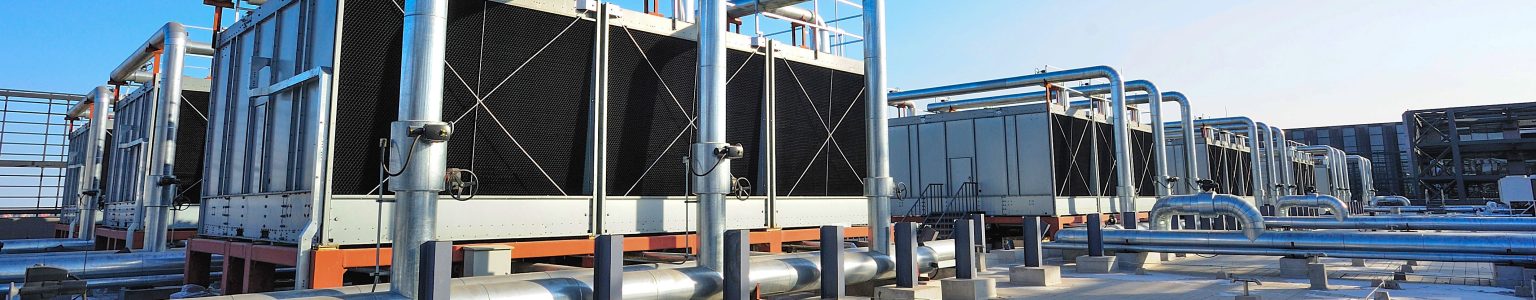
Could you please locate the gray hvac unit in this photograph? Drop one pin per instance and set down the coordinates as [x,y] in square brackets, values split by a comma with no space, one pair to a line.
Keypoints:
[1223,157]
[305,90]
[1034,159]
[128,181]
[86,162]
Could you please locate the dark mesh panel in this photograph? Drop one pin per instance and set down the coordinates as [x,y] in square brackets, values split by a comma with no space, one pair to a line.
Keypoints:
[745,124]
[191,137]
[806,165]
[1144,166]
[648,117]
[544,106]
[1071,155]
[368,90]
[551,91]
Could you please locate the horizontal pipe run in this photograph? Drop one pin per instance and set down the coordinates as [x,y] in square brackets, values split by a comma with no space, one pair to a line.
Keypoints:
[1461,242]
[44,245]
[97,264]
[1421,208]
[1005,83]
[1406,223]
[1422,256]
[775,274]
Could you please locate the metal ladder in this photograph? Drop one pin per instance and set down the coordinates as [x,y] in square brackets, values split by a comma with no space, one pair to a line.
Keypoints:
[943,210]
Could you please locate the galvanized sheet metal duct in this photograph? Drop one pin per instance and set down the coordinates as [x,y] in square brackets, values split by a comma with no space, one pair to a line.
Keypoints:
[1473,243]
[1208,204]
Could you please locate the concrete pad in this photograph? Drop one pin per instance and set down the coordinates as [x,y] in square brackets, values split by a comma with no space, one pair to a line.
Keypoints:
[1010,256]
[1357,262]
[1407,269]
[1035,276]
[968,289]
[1165,257]
[1412,263]
[1386,284]
[1524,291]
[1249,297]
[1095,264]
[1294,267]
[1381,295]
[912,293]
[1131,261]
[1317,274]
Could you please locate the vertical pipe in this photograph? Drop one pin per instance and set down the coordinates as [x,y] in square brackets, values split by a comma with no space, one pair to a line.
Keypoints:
[157,211]
[598,170]
[832,276]
[1032,241]
[906,259]
[1124,188]
[421,104]
[712,184]
[1159,141]
[738,281]
[608,282]
[1095,235]
[965,249]
[879,186]
[91,178]
[1191,159]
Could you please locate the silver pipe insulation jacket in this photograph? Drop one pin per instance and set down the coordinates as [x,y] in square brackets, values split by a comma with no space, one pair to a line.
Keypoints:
[119,282]
[124,73]
[1286,182]
[1421,208]
[1208,204]
[742,8]
[421,104]
[1333,204]
[159,188]
[879,187]
[1253,146]
[45,245]
[97,264]
[1461,242]
[1399,200]
[1406,223]
[1154,99]
[714,183]
[1446,257]
[776,274]
[91,172]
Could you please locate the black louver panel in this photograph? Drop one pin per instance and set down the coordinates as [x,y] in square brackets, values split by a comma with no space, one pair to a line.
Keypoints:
[810,164]
[191,137]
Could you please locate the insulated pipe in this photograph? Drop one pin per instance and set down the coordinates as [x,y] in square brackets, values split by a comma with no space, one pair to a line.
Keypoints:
[1208,205]
[1154,99]
[1268,155]
[1461,242]
[711,185]
[1407,223]
[777,274]
[742,8]
[46,245]
[96,264]
[1446,257]
[1329,157]
[1338,207]
[1191,162]
[1400,200]
[90,176]
[1285,181]
[124,72]
[421,106]
[1421,208]
[879,187]
[160,187]
[1124,188]
[1253,146]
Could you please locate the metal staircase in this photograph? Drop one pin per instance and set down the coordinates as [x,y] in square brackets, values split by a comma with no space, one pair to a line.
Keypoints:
[941,207]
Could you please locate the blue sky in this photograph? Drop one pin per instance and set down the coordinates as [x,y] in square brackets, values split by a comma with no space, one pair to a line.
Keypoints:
[1291,63]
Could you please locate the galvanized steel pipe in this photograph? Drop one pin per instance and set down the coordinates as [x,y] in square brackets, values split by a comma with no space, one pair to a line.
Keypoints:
[879,187]
[1253,146]
[1461,242]
[421,104]
[712,184]
[1338,207]
[160,187]
[90,176]
[95,264]
[1207,205]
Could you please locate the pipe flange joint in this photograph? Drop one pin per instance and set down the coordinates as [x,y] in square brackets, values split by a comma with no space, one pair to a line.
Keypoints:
[880,187]
[711,172]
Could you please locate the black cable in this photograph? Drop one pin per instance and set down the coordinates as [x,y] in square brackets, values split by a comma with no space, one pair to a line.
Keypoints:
[719,158]
[408,154]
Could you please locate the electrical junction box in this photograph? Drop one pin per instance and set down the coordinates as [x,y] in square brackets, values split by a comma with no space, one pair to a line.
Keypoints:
[488,260]
[1517,188]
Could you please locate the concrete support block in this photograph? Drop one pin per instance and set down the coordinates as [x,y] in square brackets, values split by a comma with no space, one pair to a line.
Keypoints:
[487,260]
[1095,264]
[912,293]
[1009,256]
[1165,257]
[1180,255]
[1508,276]
[1294,267]
[1524,291]
[1357,262]
[1035,276]
[1317,274]
[968,289]
[1130,261]
[1406,269]
[1386,284]
[1249,297]
[1381,295]
[1412,263]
